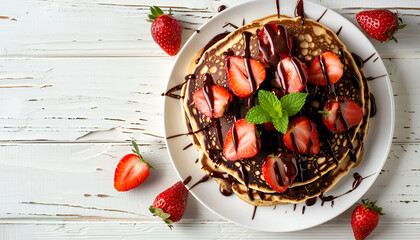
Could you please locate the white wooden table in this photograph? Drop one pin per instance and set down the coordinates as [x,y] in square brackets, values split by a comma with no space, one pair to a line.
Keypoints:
[79,79]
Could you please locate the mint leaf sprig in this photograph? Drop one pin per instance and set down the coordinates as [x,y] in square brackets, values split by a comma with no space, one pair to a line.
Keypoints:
[277,111]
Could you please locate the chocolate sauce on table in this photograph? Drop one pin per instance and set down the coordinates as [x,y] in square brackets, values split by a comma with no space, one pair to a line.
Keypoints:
[357,180]
[221,8]
[278,44]
[299,11]
[253,214]
[322,15]
[213,41]
[339,31]
[203,179]
[373,109]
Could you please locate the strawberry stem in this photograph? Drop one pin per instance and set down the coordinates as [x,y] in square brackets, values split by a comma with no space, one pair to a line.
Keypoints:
[156,12]
[371,206]
[160,213]
[137,151]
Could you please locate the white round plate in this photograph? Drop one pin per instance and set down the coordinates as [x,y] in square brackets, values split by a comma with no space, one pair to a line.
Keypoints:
[283,218]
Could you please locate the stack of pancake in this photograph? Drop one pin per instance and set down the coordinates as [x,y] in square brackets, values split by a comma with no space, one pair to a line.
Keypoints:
[339,152]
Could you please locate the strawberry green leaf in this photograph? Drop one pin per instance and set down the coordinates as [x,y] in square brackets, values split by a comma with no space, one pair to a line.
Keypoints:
[269,101]
[281,123]
[257,115]
[292,103]
[160,213]
[137,151]
[158,10]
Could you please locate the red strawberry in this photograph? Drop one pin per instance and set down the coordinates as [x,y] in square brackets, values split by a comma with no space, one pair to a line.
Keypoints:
[221,100]
[170,204]
[274,44]
[341,115]
[280,170]
[131,171]
[291,75]
[380,24]
[238,78]
[301,136]
[166,30]
[333,69]
[248,143]
[364,219]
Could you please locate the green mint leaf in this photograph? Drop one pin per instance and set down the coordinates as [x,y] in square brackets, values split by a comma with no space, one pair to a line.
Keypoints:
[281,123]
[270,103]
[293,102]
[257,115]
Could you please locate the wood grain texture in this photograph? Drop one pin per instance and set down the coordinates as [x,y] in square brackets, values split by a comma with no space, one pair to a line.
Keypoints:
[45,28]
[79,79]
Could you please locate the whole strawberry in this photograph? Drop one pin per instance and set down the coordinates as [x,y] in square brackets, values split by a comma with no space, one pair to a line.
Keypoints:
[365,218]
[166,30]
[380,24]
[170,204]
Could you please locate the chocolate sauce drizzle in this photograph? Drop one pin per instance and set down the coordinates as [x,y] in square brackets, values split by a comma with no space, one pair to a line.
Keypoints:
[278,44]
[253,214]
[373,109]
[244,174]
[178,87]
[186,147]
[188,133]
[278,8]
[331,89]
[376,59]
[203,179]
[187,180]
[322,15]
[213,41]
[373,78]
[299,11]
[230,24]
[367,59]
[339,31]
[357,180]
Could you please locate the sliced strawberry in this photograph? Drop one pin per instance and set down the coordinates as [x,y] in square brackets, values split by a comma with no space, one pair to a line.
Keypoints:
[274,44]
[240,83]
[341,115]
[332,66]
[291,75]
[247,142]
[301,136]
[221,99]
[280,170]
[130,172]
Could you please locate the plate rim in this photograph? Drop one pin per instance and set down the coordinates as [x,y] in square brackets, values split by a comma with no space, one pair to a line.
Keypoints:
[388,142]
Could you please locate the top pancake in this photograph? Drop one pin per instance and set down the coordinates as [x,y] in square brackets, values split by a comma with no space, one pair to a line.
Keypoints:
[308,41]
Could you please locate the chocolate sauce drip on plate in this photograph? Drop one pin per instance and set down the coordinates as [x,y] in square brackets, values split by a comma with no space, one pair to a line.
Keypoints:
[367,59]
[339,31]
[357,180]
[196,160]
[221,8]
[225,192]
[230,24]
[213,41]
[299,11]
[373,78]
[178,87]
[203,179]
[278,8]
[373,109]
[188,133]
[303,209]
[294,207]
[187,180]
[322,15]
[186,147]
[278,44]
[243,21]
[376,59]
[253,214]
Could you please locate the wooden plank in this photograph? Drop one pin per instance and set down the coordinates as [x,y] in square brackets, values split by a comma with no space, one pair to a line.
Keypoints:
[117,99]
[210,230]
[39,28]
[75,182]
